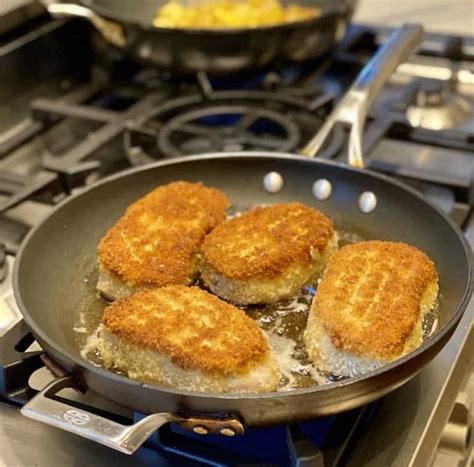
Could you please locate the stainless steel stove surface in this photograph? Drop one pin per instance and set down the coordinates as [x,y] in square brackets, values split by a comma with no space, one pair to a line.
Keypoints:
[81,112]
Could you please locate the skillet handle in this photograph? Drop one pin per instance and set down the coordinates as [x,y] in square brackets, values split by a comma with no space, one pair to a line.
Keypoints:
[123,438]
[354,106]
[112,32]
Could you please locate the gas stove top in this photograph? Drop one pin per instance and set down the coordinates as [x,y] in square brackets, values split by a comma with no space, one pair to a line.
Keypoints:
[82,112]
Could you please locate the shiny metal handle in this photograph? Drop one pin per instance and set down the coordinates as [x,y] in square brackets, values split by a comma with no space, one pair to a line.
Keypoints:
[123,438]
[353,107]
[113,32]
[59,10]
[398,47]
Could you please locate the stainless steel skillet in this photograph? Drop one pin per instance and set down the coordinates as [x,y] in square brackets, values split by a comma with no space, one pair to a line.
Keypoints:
[128,25]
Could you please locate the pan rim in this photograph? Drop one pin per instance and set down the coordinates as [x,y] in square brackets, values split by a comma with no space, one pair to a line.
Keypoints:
[323,18]
[102,372]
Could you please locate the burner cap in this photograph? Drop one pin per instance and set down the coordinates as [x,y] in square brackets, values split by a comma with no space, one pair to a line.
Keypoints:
[437,107]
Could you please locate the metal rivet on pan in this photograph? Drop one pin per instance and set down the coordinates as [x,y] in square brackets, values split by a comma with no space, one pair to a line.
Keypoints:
[367,202]
[322,189]
[227,432]
[273,182]
[200,430]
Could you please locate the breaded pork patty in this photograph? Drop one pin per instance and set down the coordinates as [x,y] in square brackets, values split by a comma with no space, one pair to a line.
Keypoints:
[186,338]
[267,254]
[156,241]
[369,307]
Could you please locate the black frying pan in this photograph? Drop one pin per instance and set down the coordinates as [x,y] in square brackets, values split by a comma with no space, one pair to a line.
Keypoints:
[61,252]
[128,24]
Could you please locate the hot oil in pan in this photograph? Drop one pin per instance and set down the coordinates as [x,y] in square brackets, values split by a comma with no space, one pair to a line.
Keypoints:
[283,322]
[88,319]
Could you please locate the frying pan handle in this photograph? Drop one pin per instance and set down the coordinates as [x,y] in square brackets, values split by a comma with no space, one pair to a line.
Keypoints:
[354,106]
[123,438]
[398,47]
[112,32]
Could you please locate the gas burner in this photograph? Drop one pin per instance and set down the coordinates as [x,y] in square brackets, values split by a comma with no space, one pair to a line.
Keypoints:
[226,121]
[436,107]
[227,128]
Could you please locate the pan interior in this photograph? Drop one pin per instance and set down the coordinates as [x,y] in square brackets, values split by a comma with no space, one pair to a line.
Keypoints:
[144,11]
[60,255]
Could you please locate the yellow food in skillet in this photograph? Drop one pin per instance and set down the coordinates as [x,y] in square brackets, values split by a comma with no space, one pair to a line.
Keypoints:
[230,13]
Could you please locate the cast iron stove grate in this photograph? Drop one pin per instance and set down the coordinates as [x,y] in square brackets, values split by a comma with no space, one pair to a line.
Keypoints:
[223,121]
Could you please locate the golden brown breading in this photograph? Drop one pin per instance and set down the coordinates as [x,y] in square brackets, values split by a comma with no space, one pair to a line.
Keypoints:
[266,254]
[195,329]
[370,297]
[265,240]
[156,240]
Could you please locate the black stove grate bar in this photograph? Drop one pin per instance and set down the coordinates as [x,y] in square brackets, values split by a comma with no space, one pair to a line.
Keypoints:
[303,452]
[204,84]
[40,121]
[19,134]
[358,46]
[44,109]
[461,215]
[26,188]
[168,130]
[72,161]
[12,233]
[324,101]
[394,126]
[10,182]
[16,365]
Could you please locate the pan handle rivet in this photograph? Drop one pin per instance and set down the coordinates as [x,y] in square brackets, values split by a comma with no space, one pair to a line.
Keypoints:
[200,430]
[367,202]
[322,189]
[227,432]
[273,182]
